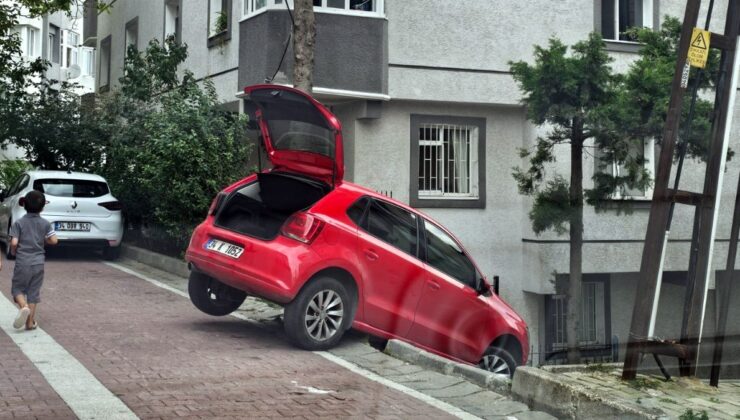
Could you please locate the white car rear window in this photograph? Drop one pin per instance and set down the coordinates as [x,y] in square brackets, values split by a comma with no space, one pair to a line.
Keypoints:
[71,187]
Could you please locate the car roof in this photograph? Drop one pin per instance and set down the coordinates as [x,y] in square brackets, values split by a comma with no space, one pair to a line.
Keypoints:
[360,190]
[36,174]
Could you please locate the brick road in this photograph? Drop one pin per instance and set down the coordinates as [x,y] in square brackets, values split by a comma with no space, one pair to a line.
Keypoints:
[164,359]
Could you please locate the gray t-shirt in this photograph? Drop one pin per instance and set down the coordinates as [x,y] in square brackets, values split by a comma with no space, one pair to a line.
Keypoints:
[31,231]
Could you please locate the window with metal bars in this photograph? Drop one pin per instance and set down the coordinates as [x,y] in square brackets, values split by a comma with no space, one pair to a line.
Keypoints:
[593,317]
[447,161]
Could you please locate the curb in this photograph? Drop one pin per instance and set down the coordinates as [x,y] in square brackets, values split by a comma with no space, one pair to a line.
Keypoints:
[162,262]
[543,390]
[480,377]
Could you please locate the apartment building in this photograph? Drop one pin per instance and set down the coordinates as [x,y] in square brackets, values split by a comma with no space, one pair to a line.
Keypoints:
[432,117]
[57,38]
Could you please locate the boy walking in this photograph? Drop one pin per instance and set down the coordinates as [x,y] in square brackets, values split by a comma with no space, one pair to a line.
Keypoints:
[28,236]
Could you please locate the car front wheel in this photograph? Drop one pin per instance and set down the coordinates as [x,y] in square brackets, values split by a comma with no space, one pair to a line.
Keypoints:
[498,360]
[213,297]
[318,317]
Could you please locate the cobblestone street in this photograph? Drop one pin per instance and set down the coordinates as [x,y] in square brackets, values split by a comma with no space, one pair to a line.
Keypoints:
[151,349]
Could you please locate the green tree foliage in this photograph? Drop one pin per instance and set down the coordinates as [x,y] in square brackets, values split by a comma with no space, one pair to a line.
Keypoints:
[564,93]
[170,146]
[10,171]
[582,104]
[50,126]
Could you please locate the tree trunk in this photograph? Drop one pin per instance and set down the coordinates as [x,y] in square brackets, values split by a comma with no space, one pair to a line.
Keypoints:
[304,34]
[573,297]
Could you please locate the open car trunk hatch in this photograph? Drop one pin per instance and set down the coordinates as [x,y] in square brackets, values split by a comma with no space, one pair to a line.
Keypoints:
[259,209]
[300,134]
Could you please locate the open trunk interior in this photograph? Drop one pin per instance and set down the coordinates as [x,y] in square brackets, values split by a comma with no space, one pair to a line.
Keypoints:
[259,209]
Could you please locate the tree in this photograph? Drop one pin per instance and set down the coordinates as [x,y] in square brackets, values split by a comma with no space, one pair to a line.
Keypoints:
[579,99]
[563,92]
[169,146]
[38,115]
[304,35]
[50,126]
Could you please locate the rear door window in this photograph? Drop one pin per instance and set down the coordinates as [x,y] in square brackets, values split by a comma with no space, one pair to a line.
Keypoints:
[393,225]
[78,188]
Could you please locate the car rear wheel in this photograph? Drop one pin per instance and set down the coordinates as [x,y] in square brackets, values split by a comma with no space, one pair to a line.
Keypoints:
[498,360]
[213,297]
[111,253]
[318,317]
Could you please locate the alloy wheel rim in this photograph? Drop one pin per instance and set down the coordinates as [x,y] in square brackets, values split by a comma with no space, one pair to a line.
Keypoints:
[495,364]
[324,315]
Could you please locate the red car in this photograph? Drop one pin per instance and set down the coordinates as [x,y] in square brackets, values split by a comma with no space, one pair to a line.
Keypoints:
[339,256]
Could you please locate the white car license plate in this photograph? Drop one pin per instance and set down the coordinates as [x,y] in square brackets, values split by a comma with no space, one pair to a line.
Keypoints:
[72,226]
[233,251]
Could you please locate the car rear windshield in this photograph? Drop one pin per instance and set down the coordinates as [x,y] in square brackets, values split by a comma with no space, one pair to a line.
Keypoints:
[71,187]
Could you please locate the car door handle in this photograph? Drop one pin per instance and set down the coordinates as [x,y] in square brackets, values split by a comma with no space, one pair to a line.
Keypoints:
[371,255]
[433,285]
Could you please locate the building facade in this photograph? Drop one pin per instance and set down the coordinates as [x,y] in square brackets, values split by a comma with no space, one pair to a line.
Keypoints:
[56,38]
[432,117]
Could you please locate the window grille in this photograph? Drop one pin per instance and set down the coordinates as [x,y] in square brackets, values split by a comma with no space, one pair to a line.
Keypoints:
[447,160]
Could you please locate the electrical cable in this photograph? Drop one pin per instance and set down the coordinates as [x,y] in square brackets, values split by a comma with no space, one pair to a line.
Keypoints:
[287,43]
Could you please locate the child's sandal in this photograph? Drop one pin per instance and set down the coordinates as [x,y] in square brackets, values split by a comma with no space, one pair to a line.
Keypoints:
[32,327]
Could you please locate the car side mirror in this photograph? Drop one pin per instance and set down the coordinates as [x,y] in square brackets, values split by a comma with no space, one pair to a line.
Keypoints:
[495,284]
[481,285]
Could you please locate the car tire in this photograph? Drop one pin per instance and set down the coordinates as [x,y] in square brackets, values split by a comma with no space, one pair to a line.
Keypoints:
[213,297]
[498,360]
[319,316]
[111,253]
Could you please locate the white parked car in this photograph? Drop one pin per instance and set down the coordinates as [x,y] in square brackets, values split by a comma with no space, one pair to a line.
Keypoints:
[79,206]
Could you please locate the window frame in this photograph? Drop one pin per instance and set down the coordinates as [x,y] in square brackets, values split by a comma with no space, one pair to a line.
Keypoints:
[272,5]
[105,42]
[55,44]
[131,26]
[86,60]
[25,33]
[218,39]
[479,202]
[648,7]
[588,349]
[178,20]
[649,156]
[68,47]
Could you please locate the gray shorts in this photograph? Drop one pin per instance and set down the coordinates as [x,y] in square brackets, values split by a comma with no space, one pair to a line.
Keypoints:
[27,280]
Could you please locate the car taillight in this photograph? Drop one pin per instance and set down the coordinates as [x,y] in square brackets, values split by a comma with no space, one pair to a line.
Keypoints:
[302,227]
[112,205]
[216,203]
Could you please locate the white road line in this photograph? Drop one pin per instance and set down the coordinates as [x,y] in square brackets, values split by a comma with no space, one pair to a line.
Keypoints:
[447,408]
[441,405]
[79,389]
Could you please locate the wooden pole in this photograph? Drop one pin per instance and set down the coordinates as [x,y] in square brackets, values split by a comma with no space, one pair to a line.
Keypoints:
[658,221]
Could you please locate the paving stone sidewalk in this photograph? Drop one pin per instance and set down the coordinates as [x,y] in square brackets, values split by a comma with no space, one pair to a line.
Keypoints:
[588,391]
[453,390]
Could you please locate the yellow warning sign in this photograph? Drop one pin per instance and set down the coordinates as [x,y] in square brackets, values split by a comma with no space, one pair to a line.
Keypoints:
[699,48]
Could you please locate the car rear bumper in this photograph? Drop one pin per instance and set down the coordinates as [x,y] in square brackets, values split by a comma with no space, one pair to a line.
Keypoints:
[108,230]
[273,270]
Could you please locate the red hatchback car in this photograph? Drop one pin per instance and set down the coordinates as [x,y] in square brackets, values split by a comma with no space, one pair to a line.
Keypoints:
[339,256]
